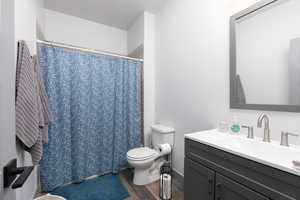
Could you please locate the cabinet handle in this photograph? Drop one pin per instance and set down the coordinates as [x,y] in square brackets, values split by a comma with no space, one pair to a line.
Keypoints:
[210,186]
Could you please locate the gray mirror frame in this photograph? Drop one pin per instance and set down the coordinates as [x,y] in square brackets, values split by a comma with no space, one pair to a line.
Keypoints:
[233,104]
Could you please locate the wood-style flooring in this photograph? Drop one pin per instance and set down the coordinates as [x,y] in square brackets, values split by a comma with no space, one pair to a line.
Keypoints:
[148,192]
[151,191]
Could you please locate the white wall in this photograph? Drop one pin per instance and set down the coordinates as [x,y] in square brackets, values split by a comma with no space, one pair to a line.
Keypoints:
[234,6]
[79,32]
[192,71]
[29,26]
[135,34]
[149,75]
[7,91]
[29,21]
[141,37]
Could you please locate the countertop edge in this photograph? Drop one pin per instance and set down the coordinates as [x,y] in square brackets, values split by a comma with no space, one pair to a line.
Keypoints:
[285,169]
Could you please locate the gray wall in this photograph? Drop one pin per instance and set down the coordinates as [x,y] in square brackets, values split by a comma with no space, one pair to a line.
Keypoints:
[7,91]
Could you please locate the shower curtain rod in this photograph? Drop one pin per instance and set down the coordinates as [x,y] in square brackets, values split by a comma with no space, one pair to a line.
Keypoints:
[68,46]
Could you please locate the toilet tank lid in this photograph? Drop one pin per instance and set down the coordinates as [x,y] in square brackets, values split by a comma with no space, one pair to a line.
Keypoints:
[162,129]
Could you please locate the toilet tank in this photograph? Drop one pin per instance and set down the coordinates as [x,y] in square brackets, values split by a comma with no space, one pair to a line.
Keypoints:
[162,134]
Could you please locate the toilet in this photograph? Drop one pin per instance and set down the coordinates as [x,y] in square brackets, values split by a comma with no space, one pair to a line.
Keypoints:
[147,161]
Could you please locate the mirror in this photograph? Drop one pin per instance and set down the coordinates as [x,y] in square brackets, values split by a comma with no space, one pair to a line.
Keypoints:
[265,57]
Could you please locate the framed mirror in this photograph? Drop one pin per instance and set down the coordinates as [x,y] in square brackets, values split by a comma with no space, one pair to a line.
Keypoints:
[265,57]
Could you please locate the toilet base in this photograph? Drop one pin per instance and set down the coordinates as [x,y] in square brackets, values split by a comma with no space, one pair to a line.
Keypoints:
[148,175]
[144,177]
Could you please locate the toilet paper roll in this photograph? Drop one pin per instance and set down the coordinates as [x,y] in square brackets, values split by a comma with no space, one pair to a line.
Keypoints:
[165,187]
[165,149]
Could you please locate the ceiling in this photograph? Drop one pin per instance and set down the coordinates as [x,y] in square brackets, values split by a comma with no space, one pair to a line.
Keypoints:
[116,13]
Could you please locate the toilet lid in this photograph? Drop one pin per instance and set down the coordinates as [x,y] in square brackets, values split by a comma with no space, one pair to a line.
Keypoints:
[141,153]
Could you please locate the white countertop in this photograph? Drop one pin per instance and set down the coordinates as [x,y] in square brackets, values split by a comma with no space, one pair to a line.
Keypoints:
[271,154]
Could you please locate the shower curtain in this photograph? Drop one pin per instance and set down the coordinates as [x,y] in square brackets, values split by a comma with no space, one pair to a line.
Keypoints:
[96,103]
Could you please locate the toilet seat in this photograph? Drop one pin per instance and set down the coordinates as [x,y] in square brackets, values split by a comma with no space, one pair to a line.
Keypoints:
[140,154]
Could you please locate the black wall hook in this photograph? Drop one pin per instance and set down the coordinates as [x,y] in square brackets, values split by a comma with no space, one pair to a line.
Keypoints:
[11,171]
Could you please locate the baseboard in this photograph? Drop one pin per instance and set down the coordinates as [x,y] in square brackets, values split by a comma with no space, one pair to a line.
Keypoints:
[178,173]
[178,177]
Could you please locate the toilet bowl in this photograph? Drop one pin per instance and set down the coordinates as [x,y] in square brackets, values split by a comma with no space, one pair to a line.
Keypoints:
[147,161]
[143,160]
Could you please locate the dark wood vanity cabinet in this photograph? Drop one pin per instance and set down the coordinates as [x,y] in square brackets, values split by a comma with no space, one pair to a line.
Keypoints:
[201,181]
[213,174]
[205,184]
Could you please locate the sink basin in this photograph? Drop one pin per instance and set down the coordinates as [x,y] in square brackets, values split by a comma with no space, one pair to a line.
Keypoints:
[271,154]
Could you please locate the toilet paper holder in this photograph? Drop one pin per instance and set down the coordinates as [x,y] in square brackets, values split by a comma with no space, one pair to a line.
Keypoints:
[165,186]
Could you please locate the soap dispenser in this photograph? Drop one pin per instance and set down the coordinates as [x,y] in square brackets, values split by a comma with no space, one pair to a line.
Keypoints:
[235,126]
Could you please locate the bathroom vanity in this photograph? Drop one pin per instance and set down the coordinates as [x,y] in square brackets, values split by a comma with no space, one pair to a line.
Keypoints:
[221,166]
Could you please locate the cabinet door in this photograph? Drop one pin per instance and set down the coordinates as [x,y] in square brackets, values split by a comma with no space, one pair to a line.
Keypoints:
[199,181]
[227,189]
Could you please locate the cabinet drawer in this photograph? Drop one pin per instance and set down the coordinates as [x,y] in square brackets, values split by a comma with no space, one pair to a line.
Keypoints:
[227,189]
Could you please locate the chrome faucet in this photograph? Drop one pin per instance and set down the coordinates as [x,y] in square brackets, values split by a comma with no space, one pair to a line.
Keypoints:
[266,128]
[285,138]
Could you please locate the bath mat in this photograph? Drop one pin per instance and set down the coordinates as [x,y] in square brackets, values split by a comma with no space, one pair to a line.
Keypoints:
[107,187]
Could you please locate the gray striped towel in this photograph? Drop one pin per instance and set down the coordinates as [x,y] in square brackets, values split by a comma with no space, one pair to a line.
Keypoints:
[45,112]
[32,109]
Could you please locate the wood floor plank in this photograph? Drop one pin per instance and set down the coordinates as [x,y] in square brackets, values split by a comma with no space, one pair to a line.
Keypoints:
[150,191]
[141,192]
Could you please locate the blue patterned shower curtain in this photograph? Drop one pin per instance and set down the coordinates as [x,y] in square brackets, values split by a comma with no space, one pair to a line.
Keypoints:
[96,103]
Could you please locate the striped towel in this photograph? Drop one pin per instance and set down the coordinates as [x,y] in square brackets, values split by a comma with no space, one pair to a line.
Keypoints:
[44,108]
[32,109]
